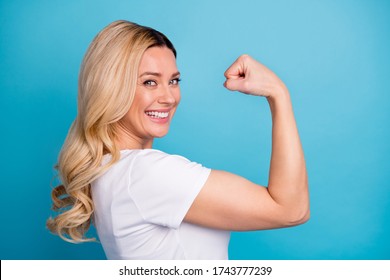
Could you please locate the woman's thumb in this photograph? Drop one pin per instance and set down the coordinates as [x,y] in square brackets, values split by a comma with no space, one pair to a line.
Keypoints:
[233,84]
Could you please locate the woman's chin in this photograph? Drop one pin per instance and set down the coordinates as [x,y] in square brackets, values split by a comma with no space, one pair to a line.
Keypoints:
[160,134]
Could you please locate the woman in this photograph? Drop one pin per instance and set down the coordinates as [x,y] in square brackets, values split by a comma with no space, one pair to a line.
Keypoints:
[145,203]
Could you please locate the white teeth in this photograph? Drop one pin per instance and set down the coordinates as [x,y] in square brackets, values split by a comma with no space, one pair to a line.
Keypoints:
[155,114]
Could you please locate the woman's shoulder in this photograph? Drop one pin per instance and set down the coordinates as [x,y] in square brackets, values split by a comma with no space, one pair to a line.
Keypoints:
[150,162]
[131,154]
[147,158]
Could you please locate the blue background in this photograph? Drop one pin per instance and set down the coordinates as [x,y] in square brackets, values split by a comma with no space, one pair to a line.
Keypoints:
[333,55]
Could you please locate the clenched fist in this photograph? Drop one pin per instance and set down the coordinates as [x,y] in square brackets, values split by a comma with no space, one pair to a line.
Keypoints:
[251,77]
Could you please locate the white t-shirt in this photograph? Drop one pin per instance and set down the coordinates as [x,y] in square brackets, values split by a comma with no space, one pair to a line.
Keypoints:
[140,204]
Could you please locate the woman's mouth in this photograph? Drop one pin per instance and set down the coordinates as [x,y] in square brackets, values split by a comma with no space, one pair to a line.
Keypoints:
[158,116]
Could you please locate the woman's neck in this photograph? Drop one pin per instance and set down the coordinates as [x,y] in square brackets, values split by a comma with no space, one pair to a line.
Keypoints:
[133,144]
[129,141]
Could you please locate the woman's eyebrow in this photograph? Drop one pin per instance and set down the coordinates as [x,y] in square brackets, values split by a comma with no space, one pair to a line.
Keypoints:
[150,74]
[175,74]
[157,74]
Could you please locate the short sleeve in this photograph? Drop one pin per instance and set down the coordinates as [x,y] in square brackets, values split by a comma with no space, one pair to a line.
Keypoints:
[164,186]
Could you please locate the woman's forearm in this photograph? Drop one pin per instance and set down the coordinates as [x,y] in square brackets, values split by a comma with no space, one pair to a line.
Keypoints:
[288,184]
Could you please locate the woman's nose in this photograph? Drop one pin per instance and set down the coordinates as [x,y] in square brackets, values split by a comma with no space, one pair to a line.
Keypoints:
[166,96]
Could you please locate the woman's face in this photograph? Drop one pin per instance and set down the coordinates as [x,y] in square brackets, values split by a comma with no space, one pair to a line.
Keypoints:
[156,98]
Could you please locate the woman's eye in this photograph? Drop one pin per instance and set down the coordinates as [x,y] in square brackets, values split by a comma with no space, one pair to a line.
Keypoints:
[175,81]
[150,83]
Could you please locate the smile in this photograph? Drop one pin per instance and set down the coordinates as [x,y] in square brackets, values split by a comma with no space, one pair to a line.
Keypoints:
[157,115]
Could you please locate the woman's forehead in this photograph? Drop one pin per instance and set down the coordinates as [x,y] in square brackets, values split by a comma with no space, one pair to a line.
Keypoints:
[158,60]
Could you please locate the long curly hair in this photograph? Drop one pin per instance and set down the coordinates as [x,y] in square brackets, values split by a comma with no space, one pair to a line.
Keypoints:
[106,89]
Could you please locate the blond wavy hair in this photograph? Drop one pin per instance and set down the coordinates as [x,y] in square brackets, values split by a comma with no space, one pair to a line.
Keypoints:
[106,89]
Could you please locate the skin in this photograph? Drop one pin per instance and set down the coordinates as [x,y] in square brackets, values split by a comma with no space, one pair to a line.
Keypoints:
[157,91]
[228,201]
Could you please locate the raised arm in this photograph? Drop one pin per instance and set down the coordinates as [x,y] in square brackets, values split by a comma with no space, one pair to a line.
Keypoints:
[230,202]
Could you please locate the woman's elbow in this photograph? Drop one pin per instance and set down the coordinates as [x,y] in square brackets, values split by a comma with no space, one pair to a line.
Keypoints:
[304,218]
[300,213]
[299,218]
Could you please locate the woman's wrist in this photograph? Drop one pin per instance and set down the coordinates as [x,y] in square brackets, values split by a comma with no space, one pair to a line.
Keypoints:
[279,94]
